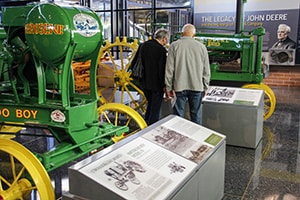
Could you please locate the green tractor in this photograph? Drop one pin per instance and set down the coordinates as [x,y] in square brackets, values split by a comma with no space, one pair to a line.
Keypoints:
[39,43]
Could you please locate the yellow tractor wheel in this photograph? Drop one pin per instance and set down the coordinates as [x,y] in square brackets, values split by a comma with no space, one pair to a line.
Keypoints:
[21,173]
[269,98]
[115,83]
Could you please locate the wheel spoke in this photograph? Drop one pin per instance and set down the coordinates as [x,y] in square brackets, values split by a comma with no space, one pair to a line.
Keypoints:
[116,118]
[131,98]
[122,58]
[128,121]
[106,117]
[13,166]
[19,174]
[267,108]
[112,97]
[267,101]
[122,95]
[106,66]
[2,179]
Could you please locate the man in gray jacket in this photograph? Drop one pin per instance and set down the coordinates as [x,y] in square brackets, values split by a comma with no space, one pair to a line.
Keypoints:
[187,73]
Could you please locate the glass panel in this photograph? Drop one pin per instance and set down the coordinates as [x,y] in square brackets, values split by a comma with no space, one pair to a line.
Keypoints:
[178,18]
[70,2]
[105,18]
[140,23]
[172,19]
[173,3]
[100,5]
[138,4]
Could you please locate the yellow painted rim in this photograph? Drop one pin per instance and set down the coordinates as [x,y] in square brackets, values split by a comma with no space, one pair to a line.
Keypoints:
[269,98]
[29,163]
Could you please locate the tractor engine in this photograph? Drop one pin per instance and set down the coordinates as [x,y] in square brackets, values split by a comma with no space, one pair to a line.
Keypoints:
[39,41]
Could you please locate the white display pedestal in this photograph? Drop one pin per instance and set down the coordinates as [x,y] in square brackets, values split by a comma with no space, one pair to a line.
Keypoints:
[171,159]
[236,113]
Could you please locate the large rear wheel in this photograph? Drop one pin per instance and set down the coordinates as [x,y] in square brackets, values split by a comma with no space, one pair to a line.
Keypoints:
[115,83]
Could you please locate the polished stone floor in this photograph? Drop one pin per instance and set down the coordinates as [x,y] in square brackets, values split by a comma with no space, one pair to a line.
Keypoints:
[269,172]
[272,170]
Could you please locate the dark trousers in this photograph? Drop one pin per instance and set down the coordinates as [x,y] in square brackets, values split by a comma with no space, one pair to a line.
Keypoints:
[154,99]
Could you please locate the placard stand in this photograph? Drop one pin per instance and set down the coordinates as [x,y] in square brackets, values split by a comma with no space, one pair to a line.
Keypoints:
[236,113]
[171,159]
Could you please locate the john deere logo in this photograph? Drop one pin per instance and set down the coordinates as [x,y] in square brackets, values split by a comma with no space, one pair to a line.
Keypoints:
[85,25]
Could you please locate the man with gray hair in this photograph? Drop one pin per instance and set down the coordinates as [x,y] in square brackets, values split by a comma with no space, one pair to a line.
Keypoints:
[281,51]
[187,73]
[284,42]
[153,54]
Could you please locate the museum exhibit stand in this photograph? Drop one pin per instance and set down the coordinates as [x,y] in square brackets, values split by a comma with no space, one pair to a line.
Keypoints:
[171,159]
[236,113]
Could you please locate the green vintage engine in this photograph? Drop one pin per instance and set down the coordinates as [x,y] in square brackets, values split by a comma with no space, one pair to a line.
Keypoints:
[39,43]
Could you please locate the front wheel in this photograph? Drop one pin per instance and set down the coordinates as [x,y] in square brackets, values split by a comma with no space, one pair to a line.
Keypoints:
[21,173]
[121,115]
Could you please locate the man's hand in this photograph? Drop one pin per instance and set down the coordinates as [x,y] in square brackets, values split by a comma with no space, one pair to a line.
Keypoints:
[168,95]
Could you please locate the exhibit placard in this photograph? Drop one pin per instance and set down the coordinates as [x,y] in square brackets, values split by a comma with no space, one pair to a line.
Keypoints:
[153,165]
[230,95]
